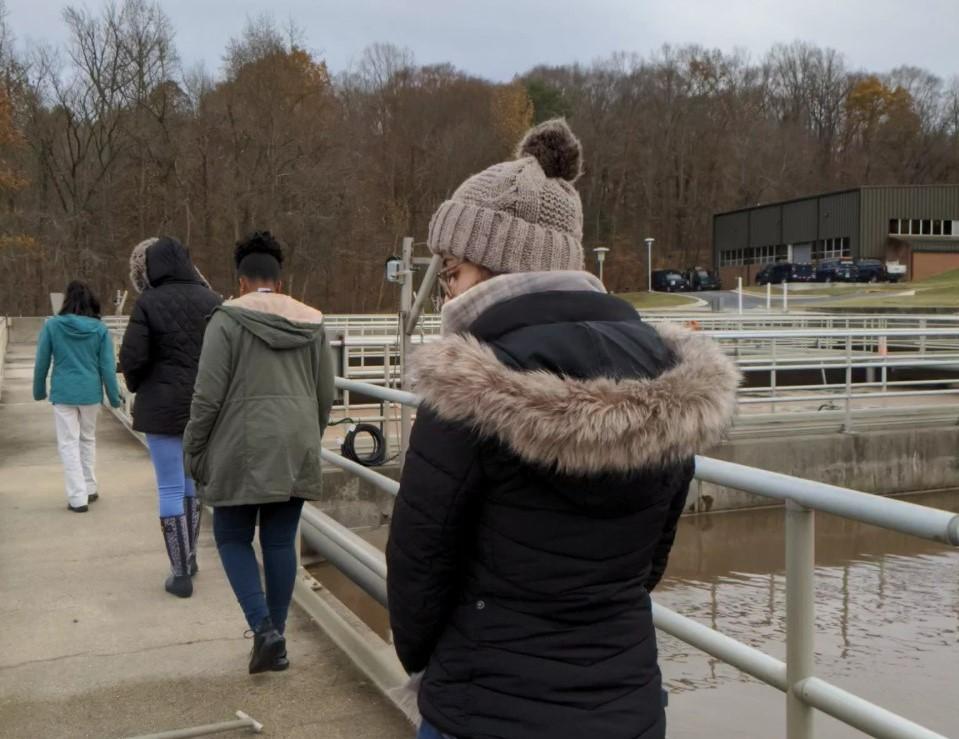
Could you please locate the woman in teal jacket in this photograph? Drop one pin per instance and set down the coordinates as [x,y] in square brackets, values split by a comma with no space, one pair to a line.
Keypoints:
[83,365]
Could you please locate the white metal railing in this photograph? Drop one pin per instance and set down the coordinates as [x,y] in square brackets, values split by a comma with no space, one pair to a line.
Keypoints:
[795,677]
[855,365]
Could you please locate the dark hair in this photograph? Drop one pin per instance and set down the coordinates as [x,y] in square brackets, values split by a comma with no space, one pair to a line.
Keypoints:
[259,257]
[80,300]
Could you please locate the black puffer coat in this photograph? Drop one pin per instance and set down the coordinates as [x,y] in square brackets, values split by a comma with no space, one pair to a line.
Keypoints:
[546,473]
[161,347]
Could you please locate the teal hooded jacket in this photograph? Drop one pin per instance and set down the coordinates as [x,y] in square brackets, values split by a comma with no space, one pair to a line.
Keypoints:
[83,362]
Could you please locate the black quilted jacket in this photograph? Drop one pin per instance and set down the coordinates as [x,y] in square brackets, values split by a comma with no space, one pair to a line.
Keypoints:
[546,472]
[161,347]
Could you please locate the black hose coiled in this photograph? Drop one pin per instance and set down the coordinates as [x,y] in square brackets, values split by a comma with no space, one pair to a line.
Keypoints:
[374,458]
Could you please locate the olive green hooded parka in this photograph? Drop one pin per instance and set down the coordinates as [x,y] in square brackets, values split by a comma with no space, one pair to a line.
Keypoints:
[262,400]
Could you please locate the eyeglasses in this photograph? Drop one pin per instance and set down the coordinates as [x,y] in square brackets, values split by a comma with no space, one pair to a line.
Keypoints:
[444,277]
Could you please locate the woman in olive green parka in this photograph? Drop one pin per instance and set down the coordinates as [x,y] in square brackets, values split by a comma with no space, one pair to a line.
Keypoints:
[262,399]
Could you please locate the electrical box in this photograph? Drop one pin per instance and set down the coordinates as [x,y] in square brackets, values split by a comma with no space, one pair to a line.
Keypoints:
[394,270]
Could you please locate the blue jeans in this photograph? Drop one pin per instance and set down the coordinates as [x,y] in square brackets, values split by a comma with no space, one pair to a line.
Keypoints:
[233,528]
[172,481]
[428,731]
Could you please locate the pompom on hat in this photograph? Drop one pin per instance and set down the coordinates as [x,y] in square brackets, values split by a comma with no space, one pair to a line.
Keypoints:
[519,216]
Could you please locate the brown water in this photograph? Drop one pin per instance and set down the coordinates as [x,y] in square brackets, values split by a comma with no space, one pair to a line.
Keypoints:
[887,620]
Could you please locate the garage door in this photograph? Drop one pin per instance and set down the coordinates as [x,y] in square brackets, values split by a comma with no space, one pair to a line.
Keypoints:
[930,264]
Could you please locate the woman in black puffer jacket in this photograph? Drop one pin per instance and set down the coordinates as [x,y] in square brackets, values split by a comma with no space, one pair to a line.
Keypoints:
[159,359]
[547,470]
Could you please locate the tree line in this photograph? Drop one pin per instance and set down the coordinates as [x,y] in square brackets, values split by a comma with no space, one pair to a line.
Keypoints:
[108,139]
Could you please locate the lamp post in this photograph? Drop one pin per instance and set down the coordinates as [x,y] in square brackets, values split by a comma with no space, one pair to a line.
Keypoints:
[601,252]
[649,263]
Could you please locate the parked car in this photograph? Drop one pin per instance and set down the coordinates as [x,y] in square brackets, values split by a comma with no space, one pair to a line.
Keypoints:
[871,270]
[785,272]
[837,270]
[669,281]
[700,278]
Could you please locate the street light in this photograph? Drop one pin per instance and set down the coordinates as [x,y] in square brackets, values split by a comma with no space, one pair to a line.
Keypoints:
[649,263]
[601,252]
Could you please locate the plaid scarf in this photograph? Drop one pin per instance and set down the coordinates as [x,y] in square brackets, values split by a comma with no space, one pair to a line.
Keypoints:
[459,313]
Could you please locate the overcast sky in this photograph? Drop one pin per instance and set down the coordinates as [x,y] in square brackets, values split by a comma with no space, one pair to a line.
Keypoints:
[499,38]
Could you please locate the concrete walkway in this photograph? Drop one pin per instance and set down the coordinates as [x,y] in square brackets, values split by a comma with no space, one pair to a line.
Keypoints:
[92,646]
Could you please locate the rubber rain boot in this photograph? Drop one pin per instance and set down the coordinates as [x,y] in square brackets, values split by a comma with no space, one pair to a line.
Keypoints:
[176,536]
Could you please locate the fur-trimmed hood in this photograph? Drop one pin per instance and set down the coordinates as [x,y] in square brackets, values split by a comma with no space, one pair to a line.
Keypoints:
[588,426]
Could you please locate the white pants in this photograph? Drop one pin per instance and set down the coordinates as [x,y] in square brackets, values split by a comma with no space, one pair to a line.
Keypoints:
[76,440]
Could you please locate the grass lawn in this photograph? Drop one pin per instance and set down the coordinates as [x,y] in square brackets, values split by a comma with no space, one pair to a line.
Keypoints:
[941,291]
[658,300]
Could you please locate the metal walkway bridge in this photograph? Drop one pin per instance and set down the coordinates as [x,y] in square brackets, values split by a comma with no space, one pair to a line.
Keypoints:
[91,644]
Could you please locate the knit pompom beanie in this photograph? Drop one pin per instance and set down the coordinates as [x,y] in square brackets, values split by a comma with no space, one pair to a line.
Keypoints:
[519,216]
[138,265]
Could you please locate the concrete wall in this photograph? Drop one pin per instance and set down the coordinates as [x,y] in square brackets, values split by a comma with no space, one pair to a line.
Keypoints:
[886,462]
[898,461]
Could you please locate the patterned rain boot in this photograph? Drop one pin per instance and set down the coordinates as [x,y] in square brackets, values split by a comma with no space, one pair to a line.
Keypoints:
[176,535]
[193,510]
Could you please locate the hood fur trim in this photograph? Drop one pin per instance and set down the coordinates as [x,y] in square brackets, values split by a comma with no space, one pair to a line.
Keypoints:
[277,304]
[584,427]
[138,265]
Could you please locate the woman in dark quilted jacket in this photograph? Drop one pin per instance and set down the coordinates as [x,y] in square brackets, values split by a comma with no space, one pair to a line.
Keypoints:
[159,359]
[547,470]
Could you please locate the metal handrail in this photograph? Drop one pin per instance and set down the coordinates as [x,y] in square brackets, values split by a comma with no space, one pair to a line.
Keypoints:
[794,677]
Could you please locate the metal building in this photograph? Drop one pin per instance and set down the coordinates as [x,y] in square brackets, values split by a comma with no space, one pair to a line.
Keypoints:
[916,226]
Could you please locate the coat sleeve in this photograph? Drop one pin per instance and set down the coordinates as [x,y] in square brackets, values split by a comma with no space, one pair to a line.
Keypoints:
[668,535]
[212,383]
[108,369]
[135,349]
[429,534]
[325,391]
[41,366]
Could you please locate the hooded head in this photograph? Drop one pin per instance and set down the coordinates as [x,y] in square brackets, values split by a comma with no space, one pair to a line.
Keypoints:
[518,216]
[158,260]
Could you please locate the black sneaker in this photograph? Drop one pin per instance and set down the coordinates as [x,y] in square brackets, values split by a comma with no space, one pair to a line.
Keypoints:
[269,646]
[93,498]
[78,508]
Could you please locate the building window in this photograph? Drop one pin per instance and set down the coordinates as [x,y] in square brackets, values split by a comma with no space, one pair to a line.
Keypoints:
[835,248]
[922,227]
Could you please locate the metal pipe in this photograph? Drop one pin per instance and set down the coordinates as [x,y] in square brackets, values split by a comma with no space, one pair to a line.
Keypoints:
[739,293]
[800,616]
[242,722]
[364,552]
[426,287]
[861,714]
[381,481]
[378,391]
[344,560]
[748,659]
[887,513]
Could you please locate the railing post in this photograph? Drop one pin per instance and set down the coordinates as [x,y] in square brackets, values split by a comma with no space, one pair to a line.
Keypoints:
[739,292]
[785,297]
[769,297]
[772,375]
[406,306]
[800,616]
[847,423]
